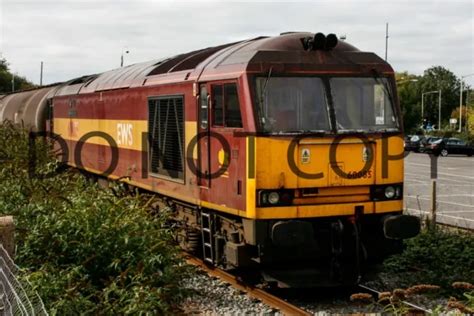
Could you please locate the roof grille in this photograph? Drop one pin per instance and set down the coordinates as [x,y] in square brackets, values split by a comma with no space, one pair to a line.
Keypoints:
[186,61]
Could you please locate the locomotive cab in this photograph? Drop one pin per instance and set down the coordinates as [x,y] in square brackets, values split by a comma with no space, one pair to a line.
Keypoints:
[324,176]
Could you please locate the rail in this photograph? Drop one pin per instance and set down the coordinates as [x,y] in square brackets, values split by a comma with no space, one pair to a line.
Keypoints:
[267,298]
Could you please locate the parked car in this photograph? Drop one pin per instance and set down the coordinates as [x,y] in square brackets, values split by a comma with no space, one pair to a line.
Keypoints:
[448,146]
[413,142]
[425,144]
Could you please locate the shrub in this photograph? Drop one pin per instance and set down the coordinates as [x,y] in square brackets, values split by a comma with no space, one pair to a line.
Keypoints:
[438,257]
[86,249]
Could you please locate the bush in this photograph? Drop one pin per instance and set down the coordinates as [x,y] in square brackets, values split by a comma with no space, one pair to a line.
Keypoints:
[438,257]
[86,249]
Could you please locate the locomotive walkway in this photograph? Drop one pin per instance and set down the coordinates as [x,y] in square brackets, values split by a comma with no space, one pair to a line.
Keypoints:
[455,188]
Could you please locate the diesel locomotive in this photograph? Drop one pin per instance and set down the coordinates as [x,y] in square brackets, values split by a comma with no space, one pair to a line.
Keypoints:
[279,154]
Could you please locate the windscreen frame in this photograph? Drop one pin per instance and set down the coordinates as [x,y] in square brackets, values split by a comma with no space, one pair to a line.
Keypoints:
[391,85]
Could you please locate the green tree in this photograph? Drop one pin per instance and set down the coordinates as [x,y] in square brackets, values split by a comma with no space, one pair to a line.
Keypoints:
[21,83]
[411,87]
[440,78]
[470,113]
[3,65]
[408,87]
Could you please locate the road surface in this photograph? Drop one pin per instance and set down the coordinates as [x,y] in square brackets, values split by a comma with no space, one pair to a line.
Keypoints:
[455,188]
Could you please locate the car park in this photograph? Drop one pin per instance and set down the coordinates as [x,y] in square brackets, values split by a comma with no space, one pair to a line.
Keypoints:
[425,144]
[413,142]
[451,146]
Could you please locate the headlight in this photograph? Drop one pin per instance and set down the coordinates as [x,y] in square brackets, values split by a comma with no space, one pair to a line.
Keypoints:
[386,192]
[390,192]
[273,198]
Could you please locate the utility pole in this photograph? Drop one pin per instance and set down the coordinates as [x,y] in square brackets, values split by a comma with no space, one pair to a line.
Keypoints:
[439,110]
[386,40]
[41,75]
[422,108]
[433,204]
[460,108]
[13,82]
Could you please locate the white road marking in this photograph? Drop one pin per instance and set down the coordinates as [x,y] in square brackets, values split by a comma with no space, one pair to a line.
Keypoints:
[449,195]
[412,174]
[429,166]
[445,195]
[441,184]
[444,174]
[444,202]
[452,180]
[452,212]
[419,181]
[449,216]
[454,174]
[462,158]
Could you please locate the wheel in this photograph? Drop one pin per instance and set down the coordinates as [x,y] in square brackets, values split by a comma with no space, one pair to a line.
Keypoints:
[444,152]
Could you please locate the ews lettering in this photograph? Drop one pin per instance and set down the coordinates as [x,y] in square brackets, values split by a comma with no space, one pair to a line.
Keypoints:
[124,134]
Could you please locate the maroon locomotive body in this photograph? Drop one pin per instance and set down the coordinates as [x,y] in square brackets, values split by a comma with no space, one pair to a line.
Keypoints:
[230,137]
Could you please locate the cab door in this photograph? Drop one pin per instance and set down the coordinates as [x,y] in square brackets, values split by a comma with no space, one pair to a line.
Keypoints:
[226,151]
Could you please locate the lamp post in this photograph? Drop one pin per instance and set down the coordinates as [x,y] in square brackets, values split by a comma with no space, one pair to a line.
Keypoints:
[439,110]
[386,41]
[460,101]
[124,49]
[41,75]
[423,105]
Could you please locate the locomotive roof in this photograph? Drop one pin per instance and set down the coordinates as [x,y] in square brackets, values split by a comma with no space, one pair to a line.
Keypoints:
[222,62]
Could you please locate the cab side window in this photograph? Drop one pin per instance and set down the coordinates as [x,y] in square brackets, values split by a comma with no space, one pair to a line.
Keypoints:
[225,106]
[217,106]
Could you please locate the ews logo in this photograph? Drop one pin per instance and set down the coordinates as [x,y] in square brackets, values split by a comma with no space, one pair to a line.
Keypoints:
[124,134]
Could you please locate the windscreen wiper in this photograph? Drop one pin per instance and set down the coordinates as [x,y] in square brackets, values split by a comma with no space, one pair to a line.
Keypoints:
[264,89]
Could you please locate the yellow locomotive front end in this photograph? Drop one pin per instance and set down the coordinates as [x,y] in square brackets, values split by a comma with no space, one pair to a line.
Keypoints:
[325,177]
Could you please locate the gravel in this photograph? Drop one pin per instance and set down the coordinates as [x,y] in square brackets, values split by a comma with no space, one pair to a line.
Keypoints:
[214,297]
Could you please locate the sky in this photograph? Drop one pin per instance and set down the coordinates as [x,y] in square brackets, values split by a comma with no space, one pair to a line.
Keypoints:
[78,37]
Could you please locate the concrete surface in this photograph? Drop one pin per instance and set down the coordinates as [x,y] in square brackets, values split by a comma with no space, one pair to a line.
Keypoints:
[455,188]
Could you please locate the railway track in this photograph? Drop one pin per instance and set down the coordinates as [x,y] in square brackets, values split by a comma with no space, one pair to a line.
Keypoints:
[271,300]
